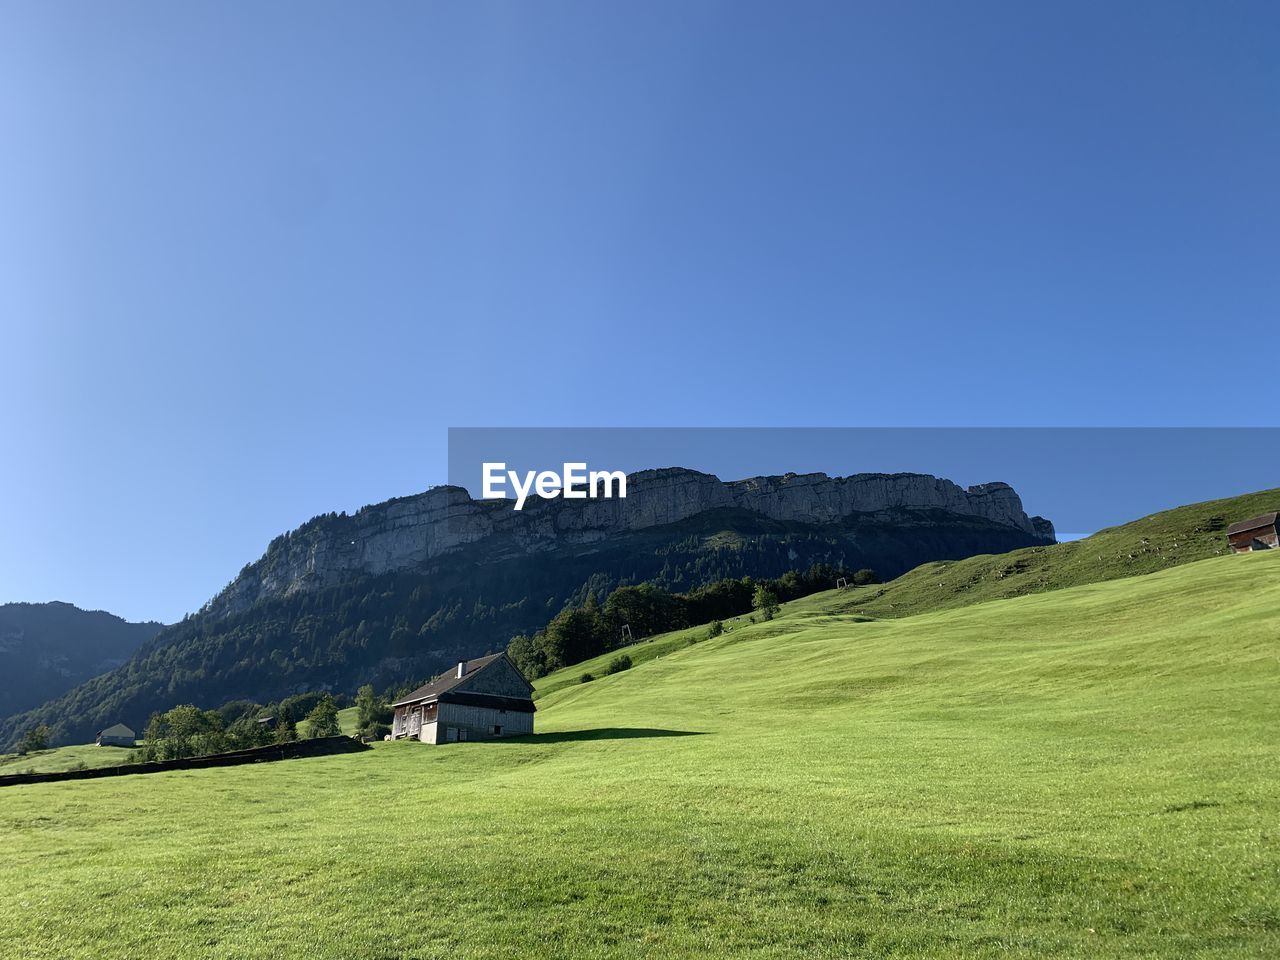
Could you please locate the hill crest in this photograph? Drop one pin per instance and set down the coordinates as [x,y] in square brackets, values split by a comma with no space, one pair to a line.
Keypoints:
[406,532]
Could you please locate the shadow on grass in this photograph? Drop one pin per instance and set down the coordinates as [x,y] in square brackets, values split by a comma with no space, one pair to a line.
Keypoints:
[601,733]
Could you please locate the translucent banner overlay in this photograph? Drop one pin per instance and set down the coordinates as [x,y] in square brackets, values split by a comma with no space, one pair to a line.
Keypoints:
[1080,478]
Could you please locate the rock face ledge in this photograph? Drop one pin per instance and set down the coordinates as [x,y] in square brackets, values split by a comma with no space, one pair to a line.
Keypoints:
[406,532]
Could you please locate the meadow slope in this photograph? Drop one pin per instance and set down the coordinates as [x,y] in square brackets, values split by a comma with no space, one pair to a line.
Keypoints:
[1084,773]
[81,756]
[1152,543]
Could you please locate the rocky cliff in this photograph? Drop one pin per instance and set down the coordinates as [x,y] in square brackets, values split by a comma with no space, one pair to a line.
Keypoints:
[407,532]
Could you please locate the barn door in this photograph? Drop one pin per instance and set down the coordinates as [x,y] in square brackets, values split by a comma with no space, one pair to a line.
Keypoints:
[450,734]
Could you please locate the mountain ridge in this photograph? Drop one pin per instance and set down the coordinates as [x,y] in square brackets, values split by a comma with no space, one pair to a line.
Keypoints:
[49,648]
[405,531]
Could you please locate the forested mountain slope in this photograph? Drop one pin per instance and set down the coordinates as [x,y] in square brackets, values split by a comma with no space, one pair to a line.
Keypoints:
[48,648]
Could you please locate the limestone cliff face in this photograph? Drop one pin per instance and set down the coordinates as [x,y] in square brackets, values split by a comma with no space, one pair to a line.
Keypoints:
[407,532]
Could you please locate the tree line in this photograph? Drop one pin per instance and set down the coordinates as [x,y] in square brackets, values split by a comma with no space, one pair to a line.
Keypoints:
[188,731]
[582,631]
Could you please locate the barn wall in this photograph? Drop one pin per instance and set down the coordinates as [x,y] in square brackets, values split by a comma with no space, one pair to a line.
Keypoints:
[480,721]
[1243,542]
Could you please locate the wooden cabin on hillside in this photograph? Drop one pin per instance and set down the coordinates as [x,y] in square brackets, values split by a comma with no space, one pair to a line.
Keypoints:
[116,736]
[476,700]
[1256,533]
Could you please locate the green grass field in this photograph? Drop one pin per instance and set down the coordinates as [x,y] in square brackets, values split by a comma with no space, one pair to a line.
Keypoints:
[1086,773]
[1158,542]
[348,721]
[57,759]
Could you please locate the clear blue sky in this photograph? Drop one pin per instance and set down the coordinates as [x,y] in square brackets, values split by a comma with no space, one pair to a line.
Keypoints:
[258,257]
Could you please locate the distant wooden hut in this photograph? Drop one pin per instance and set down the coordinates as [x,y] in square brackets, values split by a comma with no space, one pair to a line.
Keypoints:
[1256,533]
[116,736]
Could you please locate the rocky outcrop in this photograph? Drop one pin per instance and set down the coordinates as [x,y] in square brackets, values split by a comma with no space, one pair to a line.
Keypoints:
[1044,529]
[407,532]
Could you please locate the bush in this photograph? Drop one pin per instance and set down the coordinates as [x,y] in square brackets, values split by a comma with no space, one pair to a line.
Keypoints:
[715,629]
[247,732]
[375,731]
[323,720]
[618,664]
[301,704]
[586,678]
[286,725]
[37,738]
[765,602]
[235,710]
[373,710]
[865,576]
[184,731]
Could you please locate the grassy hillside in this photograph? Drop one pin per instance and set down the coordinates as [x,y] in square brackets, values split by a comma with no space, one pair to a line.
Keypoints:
[1085,773]
[57,759]
[653,648]
[348,721]
[1157,542]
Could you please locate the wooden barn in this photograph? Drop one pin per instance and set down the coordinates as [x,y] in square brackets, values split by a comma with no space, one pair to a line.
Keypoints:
[116,736]
[1256,533]
[476,700]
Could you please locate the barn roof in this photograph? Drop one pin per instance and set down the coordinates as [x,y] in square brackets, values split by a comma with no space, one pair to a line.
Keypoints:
[1253,523]
[447,680]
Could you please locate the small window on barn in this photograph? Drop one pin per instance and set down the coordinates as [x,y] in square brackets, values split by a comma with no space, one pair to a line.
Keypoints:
[497,730]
